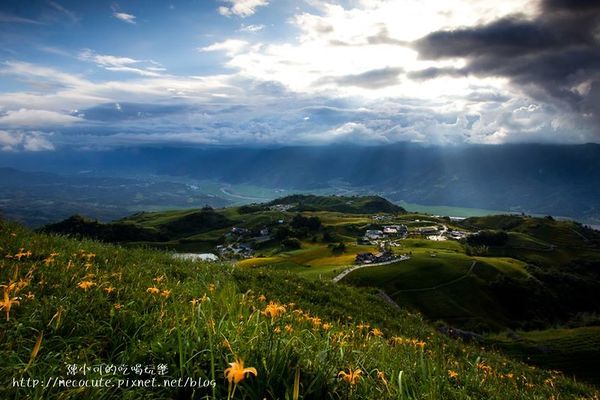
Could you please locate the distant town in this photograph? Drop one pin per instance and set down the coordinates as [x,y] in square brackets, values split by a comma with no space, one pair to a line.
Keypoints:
[383,233]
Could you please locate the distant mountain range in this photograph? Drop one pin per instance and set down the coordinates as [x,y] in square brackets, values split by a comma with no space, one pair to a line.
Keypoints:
[560,180]
[38,198]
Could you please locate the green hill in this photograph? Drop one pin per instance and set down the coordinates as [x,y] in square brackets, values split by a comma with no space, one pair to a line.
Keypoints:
[200,230]
[71,304]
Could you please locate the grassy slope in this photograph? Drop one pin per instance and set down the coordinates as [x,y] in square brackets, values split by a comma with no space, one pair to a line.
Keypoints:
[312,260]
[419,282]
[568,349]
[131,325]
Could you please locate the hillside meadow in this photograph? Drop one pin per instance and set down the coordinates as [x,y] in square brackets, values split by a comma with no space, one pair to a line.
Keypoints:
[237,332]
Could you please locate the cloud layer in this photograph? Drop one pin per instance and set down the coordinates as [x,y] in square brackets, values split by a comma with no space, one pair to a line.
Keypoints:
[462,71]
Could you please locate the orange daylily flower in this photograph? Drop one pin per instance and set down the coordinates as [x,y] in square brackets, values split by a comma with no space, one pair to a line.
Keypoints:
[273,310]
[351,377]
[397,340]
[153,290]
[377,332]
[7,304]
[85,285]
[237,373]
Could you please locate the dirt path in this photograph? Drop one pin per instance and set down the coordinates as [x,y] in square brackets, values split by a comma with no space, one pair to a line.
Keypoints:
[441,285]
[388,299]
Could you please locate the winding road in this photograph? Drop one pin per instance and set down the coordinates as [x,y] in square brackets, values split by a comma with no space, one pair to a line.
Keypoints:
[351,268]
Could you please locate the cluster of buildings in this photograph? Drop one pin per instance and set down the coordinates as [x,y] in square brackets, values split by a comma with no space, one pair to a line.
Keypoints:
[381,218]
[282,207]
[239,242]
[456,235]
[432,232]
[235,250]
[387,231]
[238,233]
[374,258]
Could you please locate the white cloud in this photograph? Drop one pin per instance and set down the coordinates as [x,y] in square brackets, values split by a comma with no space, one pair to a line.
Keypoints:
[351,132]
[251,28]
[129,18]
[28,141]
[35,118]
[122,64]
[241,8]
[28,70]
[337,41]
[345,77]
[33,142]
[231,47]
[8,140]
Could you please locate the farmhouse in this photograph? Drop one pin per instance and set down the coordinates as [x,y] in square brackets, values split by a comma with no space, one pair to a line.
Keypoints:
[370,258]
[390,230]
[395,229]
[428,230]
[373,234]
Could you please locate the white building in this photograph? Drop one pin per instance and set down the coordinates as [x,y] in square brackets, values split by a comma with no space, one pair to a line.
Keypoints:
[197,256]
[374,234]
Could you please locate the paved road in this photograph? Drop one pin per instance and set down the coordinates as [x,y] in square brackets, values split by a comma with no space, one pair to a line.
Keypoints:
[355,267]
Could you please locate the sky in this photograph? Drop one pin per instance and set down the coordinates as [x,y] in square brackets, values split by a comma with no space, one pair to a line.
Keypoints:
[103,74]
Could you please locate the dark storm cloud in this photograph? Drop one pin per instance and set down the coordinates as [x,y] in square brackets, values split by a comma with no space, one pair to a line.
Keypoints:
[373,79]
[434,72]
[554,57]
